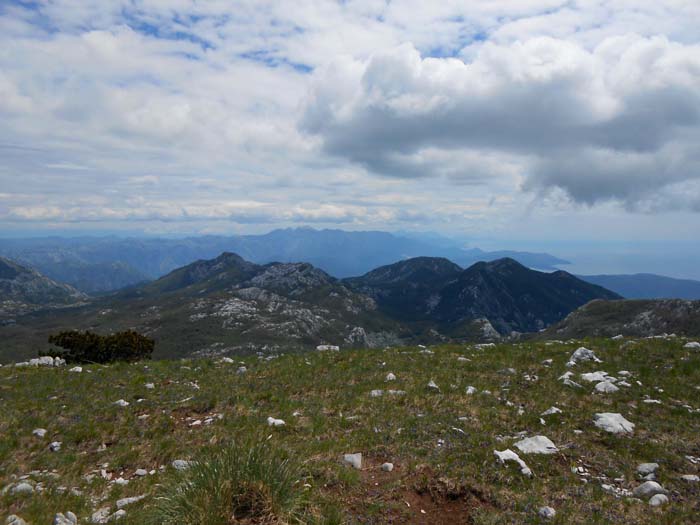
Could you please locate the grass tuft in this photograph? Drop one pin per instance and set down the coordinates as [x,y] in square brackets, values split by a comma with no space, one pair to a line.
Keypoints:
[252,484]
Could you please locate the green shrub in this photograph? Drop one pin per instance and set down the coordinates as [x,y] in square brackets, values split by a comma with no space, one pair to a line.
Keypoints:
[88,347]
[255,485]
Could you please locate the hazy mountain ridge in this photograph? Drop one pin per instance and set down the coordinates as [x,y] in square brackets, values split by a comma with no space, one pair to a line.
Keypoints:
[634,318]
[230,304]
[23,290]
[511,296]
[108,263]
[647,286]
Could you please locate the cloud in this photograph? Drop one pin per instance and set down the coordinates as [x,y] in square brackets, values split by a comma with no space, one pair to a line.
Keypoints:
[619,121]
[387,115]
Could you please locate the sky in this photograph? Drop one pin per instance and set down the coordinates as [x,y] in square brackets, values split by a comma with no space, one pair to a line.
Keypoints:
[503,122]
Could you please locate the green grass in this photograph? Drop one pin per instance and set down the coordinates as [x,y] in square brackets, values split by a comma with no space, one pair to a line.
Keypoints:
[441,443]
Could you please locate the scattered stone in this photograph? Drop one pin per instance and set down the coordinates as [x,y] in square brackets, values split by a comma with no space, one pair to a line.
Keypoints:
[39,432]
[390,377]
[22,488]
[606,387]
[658,499]
[548,362]
[648,489]
[471,390]
[272,422]
[550,411]
[180,464]
[121,481]
[128,501]
[617,337]
[354,459]
[396,392]
[141,472]
[376,393]
[149,386]
[546,513]
[582,354]
[55,446]
[65,519]
[624,373]
[13,519]
[121,403]
[566,379]
[463,359]
[328,348]
[693,345]
[101,515]
[690,478]
[509,455]
[117,515]
[644,469]
[432,386]
[613,423]
[387,467]
[651,401]
[76,370]
[536,445]
[227,360]
[241,370]
[595,377]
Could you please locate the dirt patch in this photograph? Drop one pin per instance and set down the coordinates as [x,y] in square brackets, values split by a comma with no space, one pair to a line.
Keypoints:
[419,497]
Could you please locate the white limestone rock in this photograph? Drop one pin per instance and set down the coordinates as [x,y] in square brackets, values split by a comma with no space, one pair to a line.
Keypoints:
[606,387]
[55,446]
[582,354]
[22,488]
[65,519]
[546,513]
[121,403]
[355,460]
[658,499]
[471,390]
[390,377]
[644,469]
[690,478]
[128,501]
[509,455]
[13,519]
[551,411]
[648,489]
[39,432]
[613,423]
[693,345]
[75,370]
[387,467]
[433,386]
[536,445]
[273,422]
[181,464]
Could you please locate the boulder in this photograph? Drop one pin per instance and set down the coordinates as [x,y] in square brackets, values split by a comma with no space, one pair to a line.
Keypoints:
[658,499]
[582,354]
[644,469]
[613,423]
[606,387]
[648,489]
[536,445]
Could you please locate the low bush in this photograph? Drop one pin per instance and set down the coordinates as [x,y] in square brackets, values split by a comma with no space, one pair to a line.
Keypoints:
[88,347]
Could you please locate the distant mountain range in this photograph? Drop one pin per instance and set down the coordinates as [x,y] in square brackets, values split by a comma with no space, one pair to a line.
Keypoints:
[228,304]
[102,264]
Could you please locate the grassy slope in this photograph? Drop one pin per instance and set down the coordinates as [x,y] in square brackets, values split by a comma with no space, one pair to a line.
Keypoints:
[78,410]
